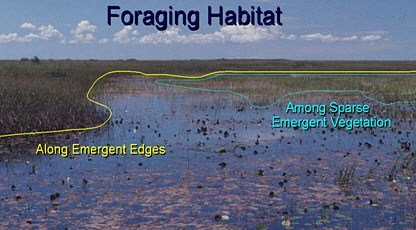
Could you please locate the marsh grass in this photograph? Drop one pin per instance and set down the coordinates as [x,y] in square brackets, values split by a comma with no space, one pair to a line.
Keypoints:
[32,99]
[345,178]
[384,88]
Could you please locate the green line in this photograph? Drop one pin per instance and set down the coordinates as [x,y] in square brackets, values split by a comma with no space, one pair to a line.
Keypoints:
[161,82]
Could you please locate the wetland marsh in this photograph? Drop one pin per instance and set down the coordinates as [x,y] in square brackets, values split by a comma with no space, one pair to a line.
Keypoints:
[225,166]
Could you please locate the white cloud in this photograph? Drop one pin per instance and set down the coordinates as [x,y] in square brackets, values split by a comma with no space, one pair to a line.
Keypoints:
[49,31]
[8,37]
[332,38]
[83,38]
[233,34]
[46,32]
[373,37]
[83,33]
[32,36]
[27,26]
[84,27]
[104,41]
[327,37]
[126,35]
[169,36]
[245,34]
[289,37]
[14,37]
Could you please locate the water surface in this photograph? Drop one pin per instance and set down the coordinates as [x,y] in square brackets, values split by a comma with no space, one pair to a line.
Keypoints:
[225,168]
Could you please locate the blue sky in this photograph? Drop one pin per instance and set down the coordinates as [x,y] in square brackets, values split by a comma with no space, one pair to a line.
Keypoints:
[324,29]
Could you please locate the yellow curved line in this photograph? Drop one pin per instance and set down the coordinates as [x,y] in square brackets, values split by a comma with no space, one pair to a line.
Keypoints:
[178,76]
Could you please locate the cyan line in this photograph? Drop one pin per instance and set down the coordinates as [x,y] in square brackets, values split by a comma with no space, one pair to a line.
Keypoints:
[161,82]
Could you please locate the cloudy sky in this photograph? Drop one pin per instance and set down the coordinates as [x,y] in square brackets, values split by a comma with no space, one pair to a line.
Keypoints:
[321,29]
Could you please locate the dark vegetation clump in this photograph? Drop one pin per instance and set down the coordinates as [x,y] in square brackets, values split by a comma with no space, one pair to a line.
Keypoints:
[35,60]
